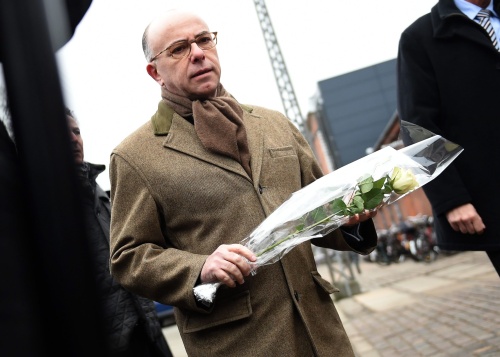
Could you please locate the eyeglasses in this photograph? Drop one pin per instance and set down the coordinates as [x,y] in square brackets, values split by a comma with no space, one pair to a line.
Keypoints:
[181,49]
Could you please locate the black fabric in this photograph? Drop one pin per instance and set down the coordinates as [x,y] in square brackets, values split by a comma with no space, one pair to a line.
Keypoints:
[76,10]
[131,324]
[359,235]
[54,242]
[495,259]
[448,83]
[20,308]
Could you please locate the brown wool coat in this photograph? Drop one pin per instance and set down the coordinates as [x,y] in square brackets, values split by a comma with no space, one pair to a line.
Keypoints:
[174,203]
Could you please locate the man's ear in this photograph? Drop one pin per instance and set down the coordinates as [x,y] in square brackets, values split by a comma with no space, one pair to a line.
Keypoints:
[151,69]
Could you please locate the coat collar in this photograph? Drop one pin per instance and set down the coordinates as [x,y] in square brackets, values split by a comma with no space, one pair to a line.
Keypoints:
[162,119]
[181,136]
[449,21]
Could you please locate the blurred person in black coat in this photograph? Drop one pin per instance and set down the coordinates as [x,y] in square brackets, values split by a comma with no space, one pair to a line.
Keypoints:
[131,324]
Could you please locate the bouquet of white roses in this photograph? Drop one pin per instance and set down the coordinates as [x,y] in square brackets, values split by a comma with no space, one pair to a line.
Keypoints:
[380,178]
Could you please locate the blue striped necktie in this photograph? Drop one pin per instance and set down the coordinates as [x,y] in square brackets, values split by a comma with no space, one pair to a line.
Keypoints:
[483,18]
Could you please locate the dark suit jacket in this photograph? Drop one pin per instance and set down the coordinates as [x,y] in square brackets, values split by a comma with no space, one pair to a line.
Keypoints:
[449,83]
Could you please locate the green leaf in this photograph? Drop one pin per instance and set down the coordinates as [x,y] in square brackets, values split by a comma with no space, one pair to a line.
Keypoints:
[368,196]
[375,200]
[387,188]
[387,185]
[318,214]
[355,210]
[380,182]
[366,185]
[358,202]
[366,180]
[338,206]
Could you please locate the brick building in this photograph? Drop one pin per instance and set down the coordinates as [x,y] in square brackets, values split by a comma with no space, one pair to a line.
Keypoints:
[355,115]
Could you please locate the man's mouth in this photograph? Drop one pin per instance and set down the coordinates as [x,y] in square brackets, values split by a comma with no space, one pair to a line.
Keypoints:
[201,72]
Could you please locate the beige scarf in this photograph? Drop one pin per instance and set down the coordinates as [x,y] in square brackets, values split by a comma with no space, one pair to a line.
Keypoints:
[217,122]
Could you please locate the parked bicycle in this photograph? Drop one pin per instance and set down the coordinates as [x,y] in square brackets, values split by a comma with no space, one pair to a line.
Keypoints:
[417,237]
[413,238]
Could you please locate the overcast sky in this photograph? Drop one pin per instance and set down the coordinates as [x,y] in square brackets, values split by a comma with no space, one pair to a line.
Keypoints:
[103,69]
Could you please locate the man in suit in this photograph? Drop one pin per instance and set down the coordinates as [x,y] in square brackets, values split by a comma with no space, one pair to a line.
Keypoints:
[449,83]
[190,184]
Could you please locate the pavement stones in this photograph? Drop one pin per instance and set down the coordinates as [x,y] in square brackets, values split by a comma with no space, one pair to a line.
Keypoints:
[446,308]
[449,307]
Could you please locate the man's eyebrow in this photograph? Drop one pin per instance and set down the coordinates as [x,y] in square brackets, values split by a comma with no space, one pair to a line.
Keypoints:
[202,33]
[184,40]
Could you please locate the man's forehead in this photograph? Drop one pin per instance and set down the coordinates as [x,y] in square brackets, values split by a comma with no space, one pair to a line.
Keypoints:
[177,25]
[72,122]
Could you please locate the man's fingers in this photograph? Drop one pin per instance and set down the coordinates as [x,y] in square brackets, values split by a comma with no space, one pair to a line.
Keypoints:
[228,264]
[473,226]
[478,225]
[466,220]
[243,251]
[226,279]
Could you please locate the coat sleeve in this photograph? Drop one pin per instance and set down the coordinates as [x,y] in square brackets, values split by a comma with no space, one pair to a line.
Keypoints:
[141,259]
[361,238]
[419,103]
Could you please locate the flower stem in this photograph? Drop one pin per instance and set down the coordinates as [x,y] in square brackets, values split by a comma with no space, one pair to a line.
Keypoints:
[271,247]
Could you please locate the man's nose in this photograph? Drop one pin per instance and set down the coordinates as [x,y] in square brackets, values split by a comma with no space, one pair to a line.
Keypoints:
[196,52]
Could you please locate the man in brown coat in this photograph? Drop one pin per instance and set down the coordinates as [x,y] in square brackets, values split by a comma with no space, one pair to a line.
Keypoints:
[190,184]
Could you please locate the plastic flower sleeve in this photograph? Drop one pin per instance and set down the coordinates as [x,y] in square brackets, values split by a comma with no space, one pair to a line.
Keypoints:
[327,203]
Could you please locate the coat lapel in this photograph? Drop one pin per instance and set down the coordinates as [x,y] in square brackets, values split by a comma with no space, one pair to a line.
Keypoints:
[255,136]
[181,136]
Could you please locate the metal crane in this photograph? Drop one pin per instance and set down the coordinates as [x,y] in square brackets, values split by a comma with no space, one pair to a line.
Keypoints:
[288,98]
[344,273]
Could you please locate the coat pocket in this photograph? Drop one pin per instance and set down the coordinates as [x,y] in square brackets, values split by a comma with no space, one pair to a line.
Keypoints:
[282,151]
[324,284]
[233,308]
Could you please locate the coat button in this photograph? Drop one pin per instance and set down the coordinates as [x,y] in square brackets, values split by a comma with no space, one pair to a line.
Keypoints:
[296,294]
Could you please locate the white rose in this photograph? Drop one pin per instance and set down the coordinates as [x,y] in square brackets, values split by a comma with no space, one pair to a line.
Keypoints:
[403,181]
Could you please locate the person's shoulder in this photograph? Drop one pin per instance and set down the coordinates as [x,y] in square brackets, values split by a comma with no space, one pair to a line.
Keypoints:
[263,111]
[136,137]
[423,21]
[273,120]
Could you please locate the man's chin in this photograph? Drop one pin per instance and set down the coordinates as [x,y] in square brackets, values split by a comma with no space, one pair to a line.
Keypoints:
[204,93]
[78,159]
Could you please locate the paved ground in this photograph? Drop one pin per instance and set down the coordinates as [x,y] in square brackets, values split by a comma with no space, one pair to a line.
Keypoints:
[450,307]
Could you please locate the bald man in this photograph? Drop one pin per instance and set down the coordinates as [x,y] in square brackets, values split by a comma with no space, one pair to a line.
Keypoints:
[191,183]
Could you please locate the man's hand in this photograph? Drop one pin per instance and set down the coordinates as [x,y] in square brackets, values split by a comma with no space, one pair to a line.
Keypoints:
[361,217]
[466,219]
[228,265]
